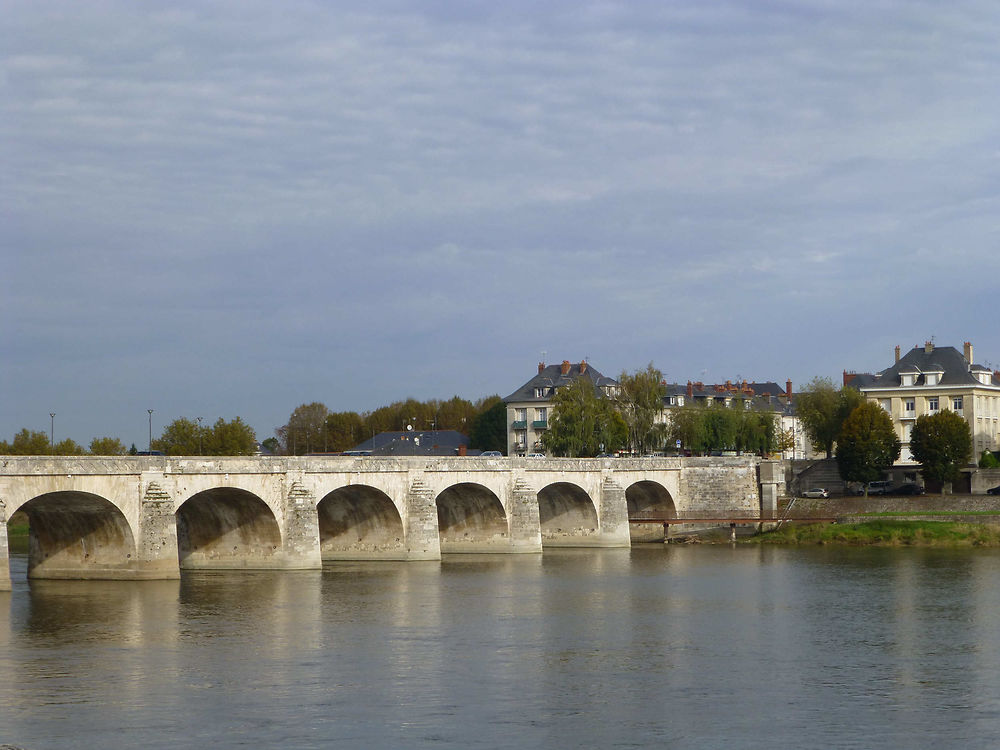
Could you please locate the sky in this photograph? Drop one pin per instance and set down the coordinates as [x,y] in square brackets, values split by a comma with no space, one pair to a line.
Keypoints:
[230,209]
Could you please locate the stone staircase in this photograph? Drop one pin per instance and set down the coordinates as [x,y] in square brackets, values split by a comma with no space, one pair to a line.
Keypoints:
[820,473]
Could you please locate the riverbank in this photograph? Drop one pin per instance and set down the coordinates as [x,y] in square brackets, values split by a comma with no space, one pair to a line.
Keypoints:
[884,533]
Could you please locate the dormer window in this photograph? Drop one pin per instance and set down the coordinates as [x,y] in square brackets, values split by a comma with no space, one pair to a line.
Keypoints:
[909,378]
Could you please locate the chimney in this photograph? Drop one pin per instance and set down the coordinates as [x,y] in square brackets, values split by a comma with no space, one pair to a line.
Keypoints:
[729,385]
[462,450]
[897,352]
[541,367]
[849,376]
[565,367]
[968,352]
[928,347]
[788,388]
[583,367]
[690,389]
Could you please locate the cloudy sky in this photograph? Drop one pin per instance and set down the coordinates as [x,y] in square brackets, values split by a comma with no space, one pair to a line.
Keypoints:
[229,209]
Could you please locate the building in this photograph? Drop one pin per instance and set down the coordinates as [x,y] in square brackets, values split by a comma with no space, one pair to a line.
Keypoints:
[530,406]
[930,379]
[414,443]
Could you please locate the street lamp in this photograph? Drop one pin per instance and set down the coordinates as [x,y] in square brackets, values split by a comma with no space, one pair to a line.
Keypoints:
[200,449]
[52,432]
[150,411]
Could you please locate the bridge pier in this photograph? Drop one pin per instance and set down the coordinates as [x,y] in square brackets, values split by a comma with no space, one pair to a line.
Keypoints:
[4,550]
[613,518]
[422,539]
[157,545]
[301,549]
[525,533]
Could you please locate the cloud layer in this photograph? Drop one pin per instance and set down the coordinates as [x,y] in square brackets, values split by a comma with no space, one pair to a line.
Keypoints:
[231,209]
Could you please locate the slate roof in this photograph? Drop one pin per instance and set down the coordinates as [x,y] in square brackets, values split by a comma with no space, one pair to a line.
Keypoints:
[948,360]
[414,443]
[551,377]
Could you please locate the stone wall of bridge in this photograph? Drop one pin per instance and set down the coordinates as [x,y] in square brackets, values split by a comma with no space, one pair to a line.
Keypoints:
[150,516]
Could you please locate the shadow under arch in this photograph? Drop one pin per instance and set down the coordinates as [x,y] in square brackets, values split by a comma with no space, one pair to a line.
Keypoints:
[359,522]
[78,535]
[648,499]
[471,518]
[227,528]
[566,515]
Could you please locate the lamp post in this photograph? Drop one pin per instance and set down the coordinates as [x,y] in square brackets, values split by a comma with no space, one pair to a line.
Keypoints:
[200,449]
[52,432]
[150,449]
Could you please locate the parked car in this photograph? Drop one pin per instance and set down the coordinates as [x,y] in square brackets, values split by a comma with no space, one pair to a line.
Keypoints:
[993,490]
[909,489]
[491,454]
[816,492]
[882,487]
[536,455]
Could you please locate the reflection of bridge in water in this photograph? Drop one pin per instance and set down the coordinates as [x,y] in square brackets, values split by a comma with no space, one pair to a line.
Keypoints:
[151,516]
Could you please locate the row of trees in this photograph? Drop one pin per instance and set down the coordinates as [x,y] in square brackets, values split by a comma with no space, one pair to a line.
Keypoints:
[313,428]
[182,437]
[585,424]
[37,443]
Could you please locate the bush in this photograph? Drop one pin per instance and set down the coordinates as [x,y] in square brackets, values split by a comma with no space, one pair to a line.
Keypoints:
[989,461]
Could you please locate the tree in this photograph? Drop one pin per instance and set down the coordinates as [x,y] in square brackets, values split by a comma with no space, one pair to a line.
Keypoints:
[68,447]
[305,430]
[582,423]
[822,410]
[688,427]
[28,443]
[344,430]
[106,446]
[867,444]
[640,402]
[233,438]
[941,443]
[489,427]
[182,437]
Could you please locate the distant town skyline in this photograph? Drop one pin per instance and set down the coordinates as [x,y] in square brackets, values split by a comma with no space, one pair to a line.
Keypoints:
[221,211]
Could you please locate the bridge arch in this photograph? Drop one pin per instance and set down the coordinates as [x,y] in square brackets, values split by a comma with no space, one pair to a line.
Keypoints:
[648,499]
[360,522]
[565,514]
[226,528]
[471,518]
[74,534]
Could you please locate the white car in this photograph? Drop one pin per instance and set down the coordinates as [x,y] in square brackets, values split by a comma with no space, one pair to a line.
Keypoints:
[816,492]
[536,455]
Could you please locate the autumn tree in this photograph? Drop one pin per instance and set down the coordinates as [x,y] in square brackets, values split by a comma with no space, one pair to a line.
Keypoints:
[822,410]
[582,423]
[640,402]
[867,444]
[942,444]
[305,431]
[344,430]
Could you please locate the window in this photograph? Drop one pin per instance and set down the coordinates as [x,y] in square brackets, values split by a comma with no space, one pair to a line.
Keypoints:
[933,378]
[909,407]
[520,415]
[956,404]
[907,432]
[886,403]
[932,403]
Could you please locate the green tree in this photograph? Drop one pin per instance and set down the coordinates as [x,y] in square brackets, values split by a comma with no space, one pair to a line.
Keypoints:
[687,425]
[233,438]
[822,410]
[583,423]
[182,437]
[344,430]
[68,447]
[489,427]
[941,443]
[29,443]
[106,446]
[271,445]
[867,444]
[640,402]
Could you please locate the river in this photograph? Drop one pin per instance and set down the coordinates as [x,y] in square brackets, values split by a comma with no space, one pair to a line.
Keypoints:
[705,646]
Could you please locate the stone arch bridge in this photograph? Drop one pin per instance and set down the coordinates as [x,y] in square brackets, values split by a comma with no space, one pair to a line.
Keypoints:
[144,517]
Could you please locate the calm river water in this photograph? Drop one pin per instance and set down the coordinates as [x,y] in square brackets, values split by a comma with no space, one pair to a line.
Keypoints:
[660,646]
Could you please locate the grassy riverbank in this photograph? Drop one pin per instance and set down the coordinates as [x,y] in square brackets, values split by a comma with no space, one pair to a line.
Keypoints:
[886,534]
